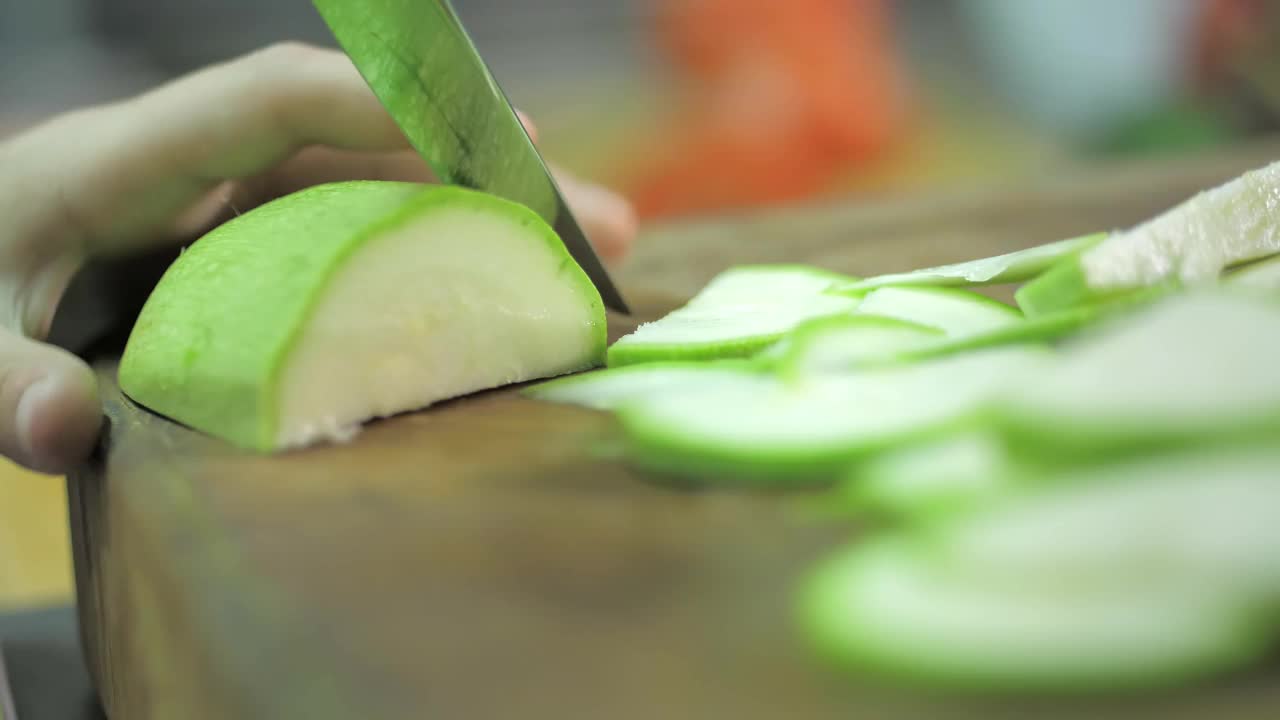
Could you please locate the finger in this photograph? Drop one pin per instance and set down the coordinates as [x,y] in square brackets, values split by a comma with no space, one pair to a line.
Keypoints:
[242,117]
[49,410]
[122,171]
[318,164]
[529,127]
[607,219]
[321,164]
[229,122]
[309,166]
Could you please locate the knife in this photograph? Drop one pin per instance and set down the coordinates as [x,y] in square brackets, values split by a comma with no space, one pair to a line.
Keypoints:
[425,70]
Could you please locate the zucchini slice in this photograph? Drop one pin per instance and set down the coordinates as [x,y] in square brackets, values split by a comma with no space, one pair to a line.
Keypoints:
[1204,518]
[885,608]
[809,429]
[958,313]
[1193,368]
[938,476]
[841,343]
[1187,246]
[739,313]
[1017,266]
[612,387]
[1053,328]
[845,343]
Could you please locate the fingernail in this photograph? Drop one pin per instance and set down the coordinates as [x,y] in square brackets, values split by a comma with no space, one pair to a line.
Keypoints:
[529,127]
[617,214]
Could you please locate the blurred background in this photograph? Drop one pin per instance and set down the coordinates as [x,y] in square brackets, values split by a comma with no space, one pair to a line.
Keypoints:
[709,106]
[706,105]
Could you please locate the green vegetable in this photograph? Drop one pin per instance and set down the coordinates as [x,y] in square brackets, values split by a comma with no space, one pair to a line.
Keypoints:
[809,429]
[1051,328]
[1152,572]
[1263,275]
[613,387]
[299,320]
[1193,368]
[843,342]
[1202,518]
[939,475]
[739,313]
[895,325]
[849,342]
[958,313]
[1187,246]
[1039,330]
[888,608]
[1008,268]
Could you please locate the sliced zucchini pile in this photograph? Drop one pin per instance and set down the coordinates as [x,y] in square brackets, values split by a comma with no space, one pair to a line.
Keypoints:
[741,312]
[810,429]
[1143,575]
[1082,492]
[886,608]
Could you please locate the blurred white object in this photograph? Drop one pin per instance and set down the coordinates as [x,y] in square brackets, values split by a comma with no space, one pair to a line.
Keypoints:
[1078,67]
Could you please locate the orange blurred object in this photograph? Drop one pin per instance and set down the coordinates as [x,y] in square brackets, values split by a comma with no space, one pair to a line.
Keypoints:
[784,98]
[1227,30]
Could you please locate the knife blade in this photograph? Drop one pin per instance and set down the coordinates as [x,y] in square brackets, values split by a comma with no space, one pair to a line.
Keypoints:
[425,69]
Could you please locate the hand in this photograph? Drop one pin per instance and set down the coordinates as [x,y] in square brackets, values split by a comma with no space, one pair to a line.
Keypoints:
[163,168]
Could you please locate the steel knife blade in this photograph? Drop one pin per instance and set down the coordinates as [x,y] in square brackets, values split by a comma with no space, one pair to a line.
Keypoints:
[425,69]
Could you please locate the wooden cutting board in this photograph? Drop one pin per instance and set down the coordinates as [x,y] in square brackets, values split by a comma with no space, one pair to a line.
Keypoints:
[494,557]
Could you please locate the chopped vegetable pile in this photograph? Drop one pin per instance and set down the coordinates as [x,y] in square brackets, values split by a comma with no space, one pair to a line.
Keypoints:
[1082,491]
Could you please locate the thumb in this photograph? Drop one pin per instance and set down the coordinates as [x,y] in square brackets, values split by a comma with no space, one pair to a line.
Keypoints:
[49,410]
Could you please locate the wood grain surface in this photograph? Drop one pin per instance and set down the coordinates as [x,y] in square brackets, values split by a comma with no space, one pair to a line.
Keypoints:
[495,558]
